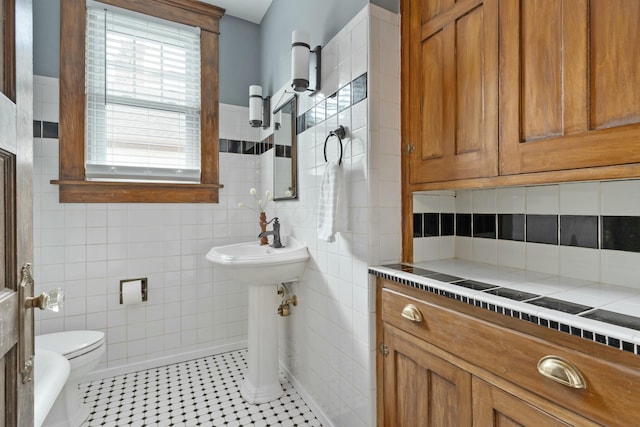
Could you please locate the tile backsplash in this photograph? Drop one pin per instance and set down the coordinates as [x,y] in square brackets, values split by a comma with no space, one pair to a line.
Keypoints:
[583,230]
[86,249]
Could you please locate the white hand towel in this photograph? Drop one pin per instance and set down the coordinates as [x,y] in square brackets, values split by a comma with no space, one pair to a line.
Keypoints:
[332,203]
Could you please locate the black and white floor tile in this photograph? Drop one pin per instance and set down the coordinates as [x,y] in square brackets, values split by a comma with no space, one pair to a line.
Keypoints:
[201,392]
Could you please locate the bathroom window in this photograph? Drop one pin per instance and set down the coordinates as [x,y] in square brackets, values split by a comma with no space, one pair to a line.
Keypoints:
[143,98]
[144,127]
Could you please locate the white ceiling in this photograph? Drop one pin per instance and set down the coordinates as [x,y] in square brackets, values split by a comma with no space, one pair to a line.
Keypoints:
[249,10]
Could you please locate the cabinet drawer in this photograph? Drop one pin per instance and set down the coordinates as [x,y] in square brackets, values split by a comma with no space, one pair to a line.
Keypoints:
[611,392]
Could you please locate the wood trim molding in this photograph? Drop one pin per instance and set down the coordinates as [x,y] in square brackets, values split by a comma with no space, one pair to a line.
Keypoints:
[405,134]
[73,186]
[9,49]
[72,191]
[572,175]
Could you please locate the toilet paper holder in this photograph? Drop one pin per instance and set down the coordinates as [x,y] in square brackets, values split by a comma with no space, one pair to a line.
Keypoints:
[143,281]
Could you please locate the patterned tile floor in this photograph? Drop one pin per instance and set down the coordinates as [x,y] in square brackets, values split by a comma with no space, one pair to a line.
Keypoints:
[201,392]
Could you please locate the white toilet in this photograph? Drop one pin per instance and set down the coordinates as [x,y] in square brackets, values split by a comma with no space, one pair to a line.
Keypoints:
[83,350]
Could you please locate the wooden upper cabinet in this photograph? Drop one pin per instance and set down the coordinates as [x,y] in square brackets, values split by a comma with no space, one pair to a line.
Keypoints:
[450,88]
[569,84]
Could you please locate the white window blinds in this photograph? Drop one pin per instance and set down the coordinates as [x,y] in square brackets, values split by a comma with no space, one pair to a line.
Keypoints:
[143,99]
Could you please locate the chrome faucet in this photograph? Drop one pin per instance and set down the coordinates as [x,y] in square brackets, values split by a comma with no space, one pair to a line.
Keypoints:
[275,233]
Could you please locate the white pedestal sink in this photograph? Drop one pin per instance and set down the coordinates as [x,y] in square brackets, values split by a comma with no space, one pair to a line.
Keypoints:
[262,268]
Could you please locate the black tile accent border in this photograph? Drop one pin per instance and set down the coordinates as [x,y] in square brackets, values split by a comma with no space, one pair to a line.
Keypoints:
[512,294]
[463,224]
[601,315]
[542,229]
[332,105]
[447,224]
[620,233]
[359,89]
[623,320]
[431,225]
[511,227]
[37,128]
[250,147]
[484,226]
[417,225]
[579,230]
[345,97]
[560,305]
[49,130]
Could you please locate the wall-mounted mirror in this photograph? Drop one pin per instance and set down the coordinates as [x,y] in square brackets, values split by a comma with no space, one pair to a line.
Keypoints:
[285,155]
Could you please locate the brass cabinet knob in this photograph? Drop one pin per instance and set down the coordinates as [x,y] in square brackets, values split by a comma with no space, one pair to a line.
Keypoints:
[561,371]
[412,313]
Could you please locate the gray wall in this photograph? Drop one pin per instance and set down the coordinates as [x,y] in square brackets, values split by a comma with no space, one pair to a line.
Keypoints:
[239,51]
[46,38]
[249,54]
[239,59]
[392,5]
[322,19]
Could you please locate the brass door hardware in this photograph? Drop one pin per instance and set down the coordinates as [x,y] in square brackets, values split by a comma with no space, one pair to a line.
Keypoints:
[561,371]
[412,313]
[383,349]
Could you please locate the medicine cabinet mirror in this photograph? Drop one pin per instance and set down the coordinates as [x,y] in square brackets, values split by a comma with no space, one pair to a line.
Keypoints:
[285,150]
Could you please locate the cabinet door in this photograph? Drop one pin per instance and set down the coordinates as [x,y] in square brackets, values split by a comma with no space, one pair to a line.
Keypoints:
[495,407]
[421,389]
[569,84]
[450,88]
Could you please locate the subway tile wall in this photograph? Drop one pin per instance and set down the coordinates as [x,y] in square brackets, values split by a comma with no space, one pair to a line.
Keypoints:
[582,230]
[86,249]
[328,342]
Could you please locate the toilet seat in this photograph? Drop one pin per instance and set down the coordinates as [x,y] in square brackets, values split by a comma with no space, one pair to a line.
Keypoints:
[71,344]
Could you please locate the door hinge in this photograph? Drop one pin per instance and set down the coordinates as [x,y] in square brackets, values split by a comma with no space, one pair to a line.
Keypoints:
[383,349]
[27,371]
[409,148]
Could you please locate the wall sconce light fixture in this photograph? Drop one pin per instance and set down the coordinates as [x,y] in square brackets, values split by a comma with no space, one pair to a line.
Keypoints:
[302,62]
[259,108]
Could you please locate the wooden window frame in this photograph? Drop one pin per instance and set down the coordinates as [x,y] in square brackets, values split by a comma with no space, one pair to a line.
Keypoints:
[74,187]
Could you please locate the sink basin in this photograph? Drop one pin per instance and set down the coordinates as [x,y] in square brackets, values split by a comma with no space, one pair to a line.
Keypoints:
[261,265]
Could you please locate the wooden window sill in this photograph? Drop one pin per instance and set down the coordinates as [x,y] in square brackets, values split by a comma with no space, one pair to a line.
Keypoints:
[78,191]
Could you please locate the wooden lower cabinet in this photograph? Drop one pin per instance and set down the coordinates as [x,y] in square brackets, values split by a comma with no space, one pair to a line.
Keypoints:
[459,365]
[422,389]
[493,406]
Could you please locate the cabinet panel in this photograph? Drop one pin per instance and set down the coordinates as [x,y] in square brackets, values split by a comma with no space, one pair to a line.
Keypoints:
[434,8]
[615,62]
[421,389]
[541,112]
[495,407]
[450,88]
[569,84]
[433,106]
[469,108]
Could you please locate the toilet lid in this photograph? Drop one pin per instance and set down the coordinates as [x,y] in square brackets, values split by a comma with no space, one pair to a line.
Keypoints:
[70,344]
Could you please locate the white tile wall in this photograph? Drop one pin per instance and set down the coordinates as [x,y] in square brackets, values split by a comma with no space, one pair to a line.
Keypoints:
[88,248]
[619,198]
[328,344]
[433,248]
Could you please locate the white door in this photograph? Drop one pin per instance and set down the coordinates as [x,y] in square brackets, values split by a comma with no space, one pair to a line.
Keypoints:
[16,211]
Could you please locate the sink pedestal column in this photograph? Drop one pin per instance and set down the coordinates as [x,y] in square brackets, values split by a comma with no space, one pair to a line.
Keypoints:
[262,380]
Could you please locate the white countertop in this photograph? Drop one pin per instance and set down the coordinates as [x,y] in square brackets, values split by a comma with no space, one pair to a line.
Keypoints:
[612,298]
